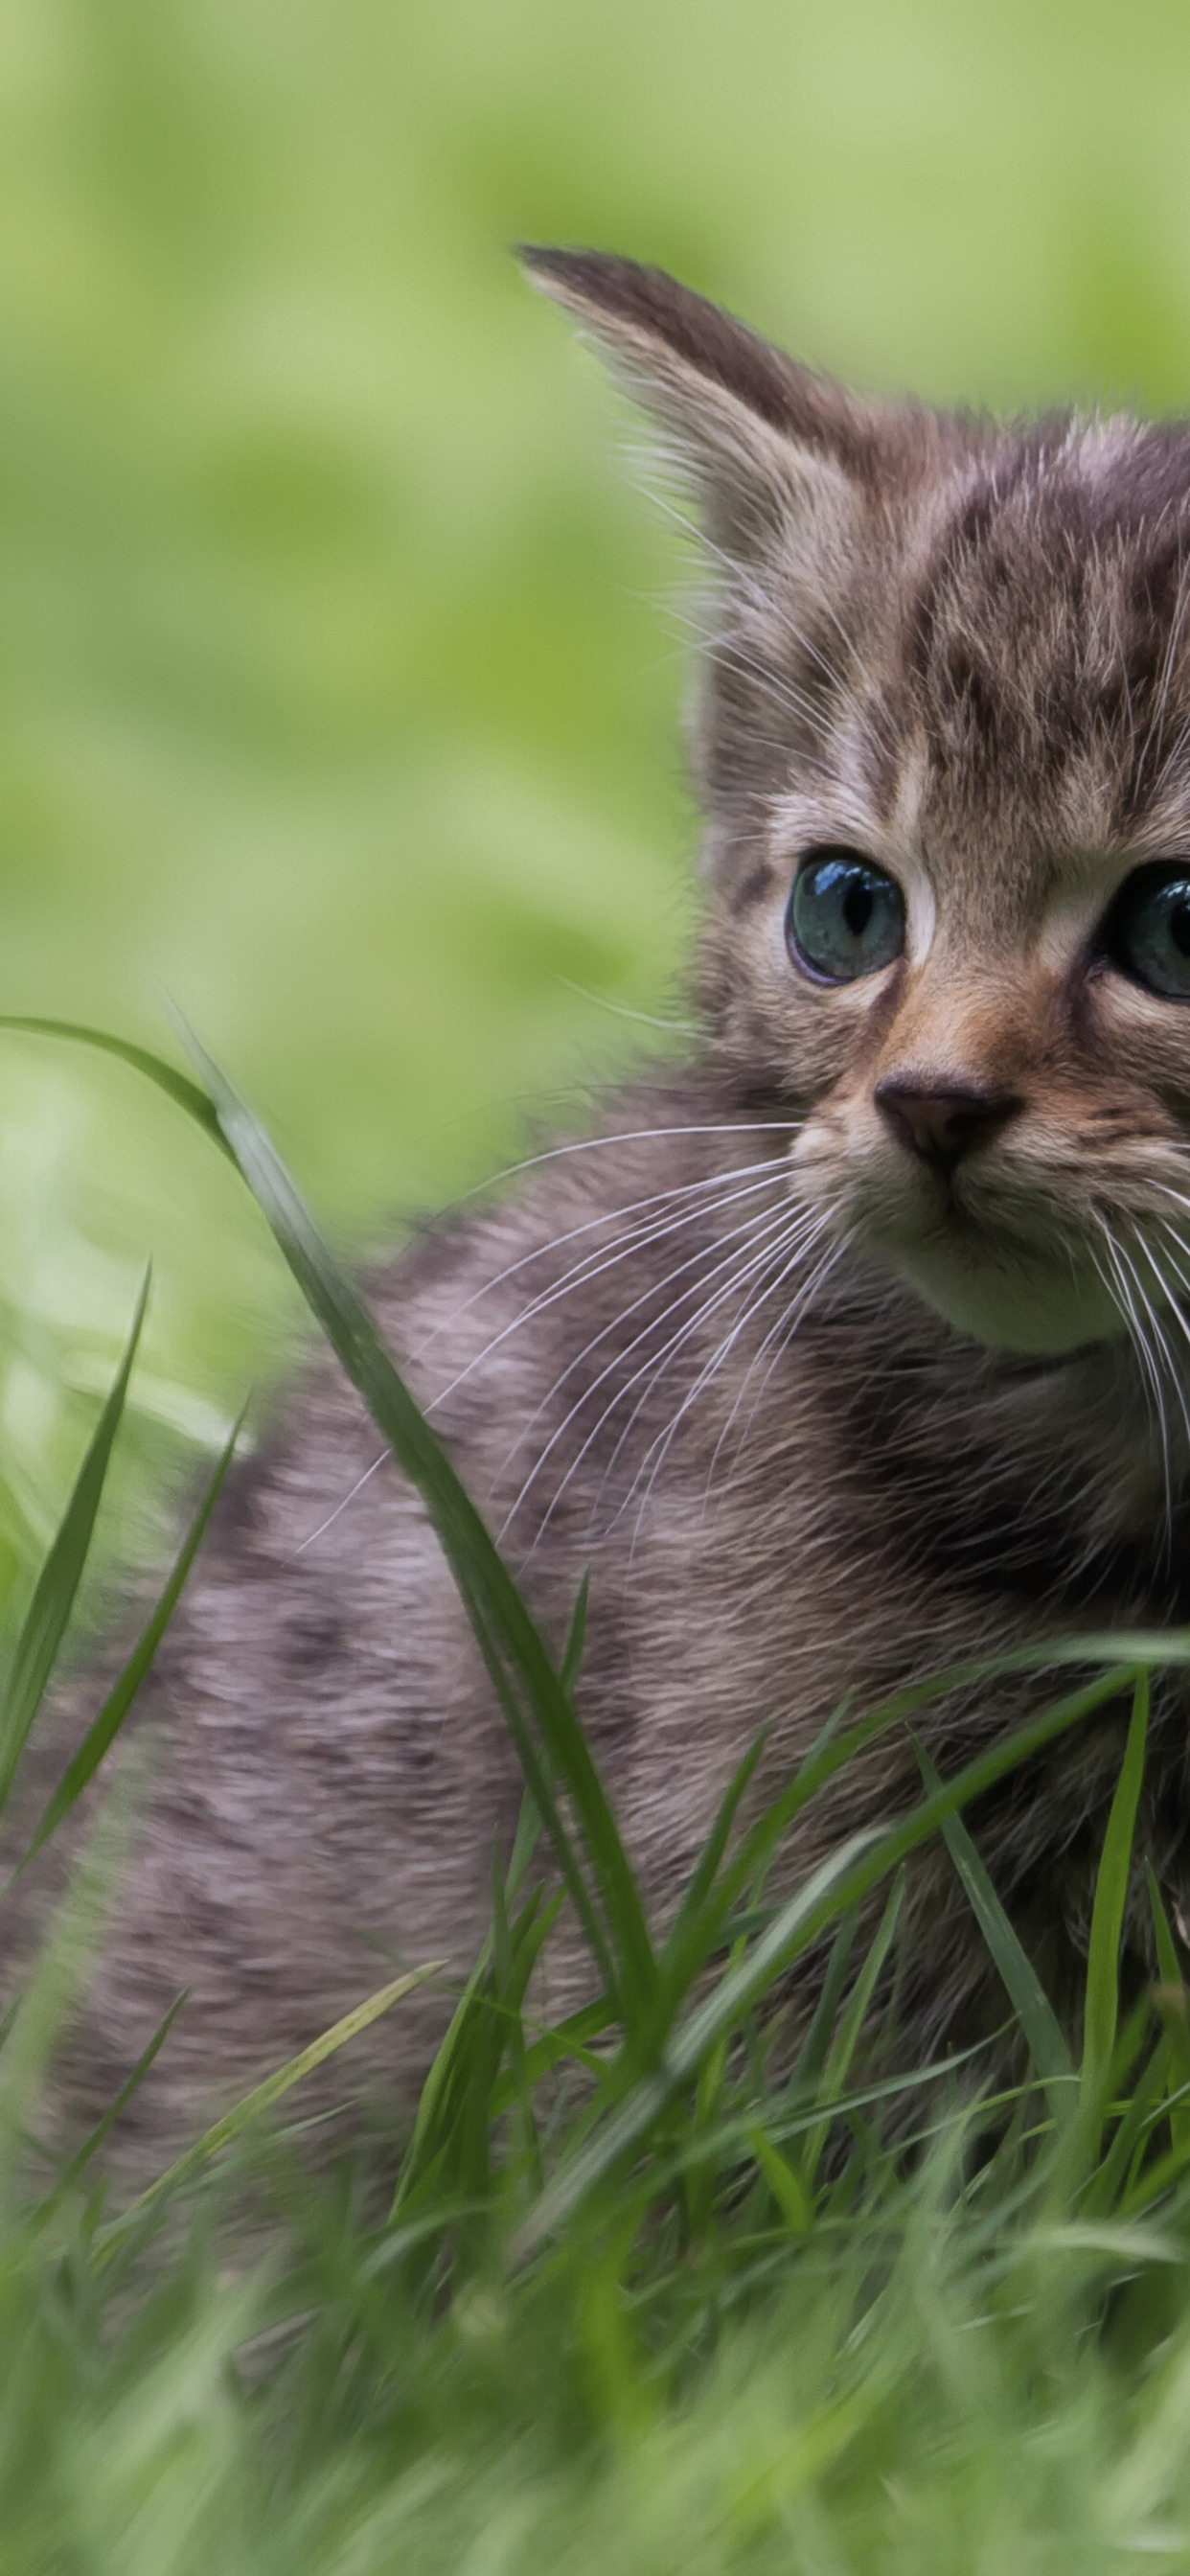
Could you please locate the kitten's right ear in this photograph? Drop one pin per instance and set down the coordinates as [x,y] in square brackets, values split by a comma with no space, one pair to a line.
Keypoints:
[764,440]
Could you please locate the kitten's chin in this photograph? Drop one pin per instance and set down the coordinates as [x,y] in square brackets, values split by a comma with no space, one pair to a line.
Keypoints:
[1023,1305]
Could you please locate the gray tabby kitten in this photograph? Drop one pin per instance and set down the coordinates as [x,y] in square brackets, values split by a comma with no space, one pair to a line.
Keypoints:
[850,1347]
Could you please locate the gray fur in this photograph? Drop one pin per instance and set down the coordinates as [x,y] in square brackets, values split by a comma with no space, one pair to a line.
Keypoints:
[795,1462]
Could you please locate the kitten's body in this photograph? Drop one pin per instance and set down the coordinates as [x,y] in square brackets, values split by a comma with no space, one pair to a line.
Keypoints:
[820,1410]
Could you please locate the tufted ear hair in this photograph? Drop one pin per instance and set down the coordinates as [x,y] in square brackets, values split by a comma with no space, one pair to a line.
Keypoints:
[765,441]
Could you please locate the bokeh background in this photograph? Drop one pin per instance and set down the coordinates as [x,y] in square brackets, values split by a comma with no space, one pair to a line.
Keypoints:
[339,668]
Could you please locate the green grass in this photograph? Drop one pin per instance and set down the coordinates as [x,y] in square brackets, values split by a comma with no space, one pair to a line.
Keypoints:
[642,2293]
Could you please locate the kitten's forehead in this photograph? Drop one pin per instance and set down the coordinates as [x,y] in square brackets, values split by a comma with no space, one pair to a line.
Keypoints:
[1044,648]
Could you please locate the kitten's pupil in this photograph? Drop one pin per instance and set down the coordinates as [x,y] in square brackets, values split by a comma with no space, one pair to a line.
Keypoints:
[1179,922]
[857,907]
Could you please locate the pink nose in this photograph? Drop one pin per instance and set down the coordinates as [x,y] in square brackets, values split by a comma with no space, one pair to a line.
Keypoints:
[941,1124]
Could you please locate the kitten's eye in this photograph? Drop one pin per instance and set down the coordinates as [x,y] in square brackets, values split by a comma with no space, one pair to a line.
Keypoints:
[845,917]
[1148,930]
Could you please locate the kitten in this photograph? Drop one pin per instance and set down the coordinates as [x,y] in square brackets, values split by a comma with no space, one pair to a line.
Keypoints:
[851,1347]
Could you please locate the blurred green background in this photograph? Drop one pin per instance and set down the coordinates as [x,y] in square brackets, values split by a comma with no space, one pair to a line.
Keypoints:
[339,671]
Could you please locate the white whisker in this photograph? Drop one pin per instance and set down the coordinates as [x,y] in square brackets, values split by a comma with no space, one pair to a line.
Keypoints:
[780,1333]
[1124,1299]
[760,1230]
[787,1127]
[1155,1323]
[760,1219]
[752,1179]
[340,1507]
[791,1315]
[793,1245]
[603,1256]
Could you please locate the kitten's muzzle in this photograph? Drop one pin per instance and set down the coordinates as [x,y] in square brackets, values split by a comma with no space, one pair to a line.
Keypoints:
[942,1124]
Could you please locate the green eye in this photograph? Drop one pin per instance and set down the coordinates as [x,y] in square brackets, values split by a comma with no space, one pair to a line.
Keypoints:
[1149,929]
[845,917]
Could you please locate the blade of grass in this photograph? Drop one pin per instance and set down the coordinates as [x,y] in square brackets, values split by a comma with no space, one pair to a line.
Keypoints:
[510,1986]
[497,1610]
[54,1593]
[730,2134]
[1027,1995]
[1159,2178]
[812,2054]
[572,1656]
[263,2097]
[711,1855]
[106,1725]
[838,2064]
[529,1820]
[177,1086]
[539,1769]
[785,2183]
[1171,2004]
[1141,2107]
[78,2164]
[565,2043]
[468,2057]
[1107,1915]
[1168,1963]
[421,2153]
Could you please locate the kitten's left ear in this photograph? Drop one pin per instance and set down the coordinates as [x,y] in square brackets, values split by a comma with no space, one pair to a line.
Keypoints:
[765,439]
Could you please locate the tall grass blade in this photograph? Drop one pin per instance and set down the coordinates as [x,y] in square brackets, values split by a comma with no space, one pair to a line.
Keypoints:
[264,2097]
[449,2149]
[528,1825]
[106,1725]
[1107,1916]
[708,1865]
[572,1657]
[838,2064]
[1169,1965]
[54,1593]
[1143,2112]
[813,2051]
[785,2183]
[1171,2004]
[503,1624]
[74,2171]
[177,1086]
[1027,1995]
[564,2044]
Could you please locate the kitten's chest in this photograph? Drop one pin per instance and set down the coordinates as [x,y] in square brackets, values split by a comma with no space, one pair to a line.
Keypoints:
[872,1532]
[1048,1489]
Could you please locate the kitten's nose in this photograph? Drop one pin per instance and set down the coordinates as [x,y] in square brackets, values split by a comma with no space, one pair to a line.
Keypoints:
[942,1124]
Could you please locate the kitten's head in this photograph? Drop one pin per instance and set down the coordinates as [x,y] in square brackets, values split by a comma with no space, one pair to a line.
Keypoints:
[944,747]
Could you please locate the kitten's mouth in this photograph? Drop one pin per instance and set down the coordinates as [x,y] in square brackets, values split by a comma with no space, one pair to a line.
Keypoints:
[1007,1283]
[998,1253]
